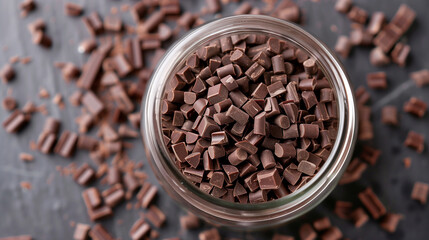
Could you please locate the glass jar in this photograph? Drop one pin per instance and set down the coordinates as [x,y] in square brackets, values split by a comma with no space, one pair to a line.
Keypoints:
[236,215]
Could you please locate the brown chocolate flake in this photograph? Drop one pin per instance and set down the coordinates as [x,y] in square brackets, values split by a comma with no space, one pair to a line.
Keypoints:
[416,107]
[420,192]
[415,141]
[372,203]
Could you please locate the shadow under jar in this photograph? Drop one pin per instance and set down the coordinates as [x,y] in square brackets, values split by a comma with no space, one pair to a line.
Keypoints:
[259,215]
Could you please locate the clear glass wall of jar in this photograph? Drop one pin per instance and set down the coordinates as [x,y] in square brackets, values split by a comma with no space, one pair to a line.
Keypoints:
[248,216]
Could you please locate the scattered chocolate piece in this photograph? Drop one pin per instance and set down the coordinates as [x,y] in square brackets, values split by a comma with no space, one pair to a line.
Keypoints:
[407,162]
[359,217]
[81,231]
[403,18]
[214,6]
[390,222]
[73,9]
[87,46]
[9,103]
[400,54]
[343,46]
[92,103]
[370,154]
[84,174]
[416,107]
[66,144]
[420,192]
[377,80]
[139,230]
[415,141]
[155,216]
[343,6]
[40,38]
[306,232]
[372,203]
[322,224]
[7,73]
[421,78]
[189,221]
[98,232]
[387,38]
[26,157]
[211,234]
[357,14]
[389,115]
[15,121]
[376,23]
[378,58]
[343,209]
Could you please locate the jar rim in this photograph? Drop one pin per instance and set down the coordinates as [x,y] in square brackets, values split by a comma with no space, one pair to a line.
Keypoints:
[327,175]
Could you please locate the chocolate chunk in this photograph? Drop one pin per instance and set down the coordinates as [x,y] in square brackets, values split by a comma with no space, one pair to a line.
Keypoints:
[343,6]
[378,58]
[151,23]
[7,73]
[377,80]
[73,9]
[415,141]
[372,203]
[189,221]
[390,222]
[343,46]
[237,114]
[244,8]
[83,175]
[276,89]
[322,224]
[217,179]
[421,78]
[400,54]
[139,230]
[387,38]
[308,131]
[376,23]
[403,18]
[269,179]
[278,64]
[258,196]
[81,231]
[237,156]
[359,217]
[155,216]
[306,232]
[416,107]
[217,93]
[98,232]
[310,98]
[93,23]
[240,58]
[358,15]
[66,144]
[255,71]
[420,192]
[389,115]
[252,108]
[211,234]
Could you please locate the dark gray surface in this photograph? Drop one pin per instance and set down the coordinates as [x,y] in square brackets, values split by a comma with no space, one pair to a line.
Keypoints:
[46,210]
